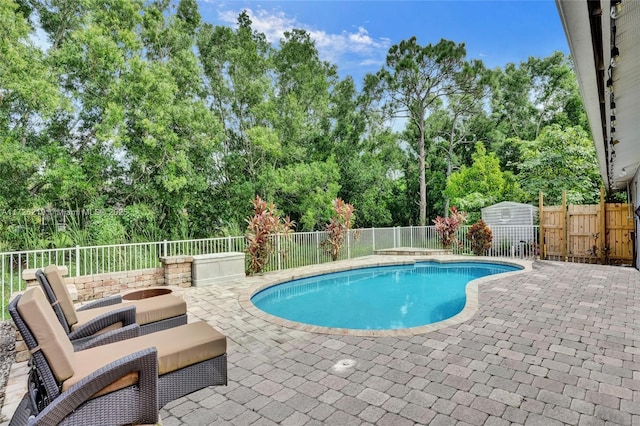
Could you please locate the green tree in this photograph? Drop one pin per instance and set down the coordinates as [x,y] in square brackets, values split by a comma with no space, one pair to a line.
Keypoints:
[561,159]
[528,97]
[171,136]
[464,107]
[413,79]
[368,156]
[481,184]
[301,106]
[91,43]
[238,81]
[29,96]
[305,191]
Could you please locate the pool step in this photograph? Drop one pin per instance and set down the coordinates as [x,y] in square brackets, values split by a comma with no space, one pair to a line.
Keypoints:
[411,251]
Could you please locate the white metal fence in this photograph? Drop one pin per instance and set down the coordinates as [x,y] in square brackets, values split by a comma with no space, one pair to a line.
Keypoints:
[293,250]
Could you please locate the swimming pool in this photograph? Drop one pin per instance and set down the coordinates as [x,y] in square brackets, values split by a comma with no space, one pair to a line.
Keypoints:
[377,298]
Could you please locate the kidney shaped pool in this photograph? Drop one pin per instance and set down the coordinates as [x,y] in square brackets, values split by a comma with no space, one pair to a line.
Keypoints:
[377,298]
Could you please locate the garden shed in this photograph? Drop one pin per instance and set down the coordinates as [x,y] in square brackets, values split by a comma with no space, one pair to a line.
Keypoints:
[512,225]
[510,213]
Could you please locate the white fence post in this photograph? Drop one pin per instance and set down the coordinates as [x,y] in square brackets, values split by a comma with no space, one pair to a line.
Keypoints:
[411,235]
[373,238]
[77,261]
[229,243]
[348,244]
[279,252]
[164,248]
[318,247]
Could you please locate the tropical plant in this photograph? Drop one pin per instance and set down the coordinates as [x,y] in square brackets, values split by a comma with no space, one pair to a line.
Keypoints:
[446,227]
[480,237]
[338,228]
[264,223]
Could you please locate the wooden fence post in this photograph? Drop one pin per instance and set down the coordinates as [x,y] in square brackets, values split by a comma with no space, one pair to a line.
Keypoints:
[541,227]
[602,224]
[563,221]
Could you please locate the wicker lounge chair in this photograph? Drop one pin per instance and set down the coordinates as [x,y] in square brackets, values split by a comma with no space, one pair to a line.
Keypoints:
[121,383]
[151,314]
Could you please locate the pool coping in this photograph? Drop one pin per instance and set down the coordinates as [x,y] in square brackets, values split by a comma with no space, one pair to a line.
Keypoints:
[469,310]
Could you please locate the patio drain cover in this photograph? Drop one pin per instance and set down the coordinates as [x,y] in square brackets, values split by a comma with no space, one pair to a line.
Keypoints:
[344,365]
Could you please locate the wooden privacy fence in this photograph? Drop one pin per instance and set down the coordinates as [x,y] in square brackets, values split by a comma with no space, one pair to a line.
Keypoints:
[587,233]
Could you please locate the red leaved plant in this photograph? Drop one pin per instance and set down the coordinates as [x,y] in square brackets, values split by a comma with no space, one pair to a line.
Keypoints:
[261,227]
[338,228]
[480,237]
[446,227]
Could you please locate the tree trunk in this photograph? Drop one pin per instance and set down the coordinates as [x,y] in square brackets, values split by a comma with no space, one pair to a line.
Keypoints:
[423,183]
[449,164]
[449,169]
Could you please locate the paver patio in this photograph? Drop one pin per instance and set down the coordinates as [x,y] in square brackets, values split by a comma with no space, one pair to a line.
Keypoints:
[557,345]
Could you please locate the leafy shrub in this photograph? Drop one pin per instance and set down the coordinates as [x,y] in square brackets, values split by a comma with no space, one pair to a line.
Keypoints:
[446,227]
[140,222]
[26,233]
[106,229]
[264,223]
[480,237]
[338,228]
[60,240]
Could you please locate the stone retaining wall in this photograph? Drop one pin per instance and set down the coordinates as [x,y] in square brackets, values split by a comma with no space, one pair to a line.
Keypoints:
[176,271]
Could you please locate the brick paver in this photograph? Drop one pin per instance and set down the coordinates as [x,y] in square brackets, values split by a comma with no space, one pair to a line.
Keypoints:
[558,344]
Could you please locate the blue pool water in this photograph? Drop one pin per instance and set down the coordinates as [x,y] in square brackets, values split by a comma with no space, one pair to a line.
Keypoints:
[380,298]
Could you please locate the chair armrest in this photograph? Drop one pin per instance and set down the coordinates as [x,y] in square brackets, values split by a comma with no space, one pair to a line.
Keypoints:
[106,301]
[128,332]
[145,362]
[125,314]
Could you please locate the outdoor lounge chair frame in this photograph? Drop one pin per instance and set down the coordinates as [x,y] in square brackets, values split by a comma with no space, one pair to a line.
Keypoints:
[87,330]
[44,403]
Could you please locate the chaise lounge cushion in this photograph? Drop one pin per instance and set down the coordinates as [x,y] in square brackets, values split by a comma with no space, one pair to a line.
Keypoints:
[87,316]
[51,337]
[177,348]
[148,311]
[158,308]
[59,287]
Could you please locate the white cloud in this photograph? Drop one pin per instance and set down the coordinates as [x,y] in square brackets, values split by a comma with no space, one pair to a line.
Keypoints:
[370,62]
[271,24]
[332,47]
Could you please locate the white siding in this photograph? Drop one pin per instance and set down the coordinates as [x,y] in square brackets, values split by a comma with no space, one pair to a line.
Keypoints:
[510,214]
[508,222]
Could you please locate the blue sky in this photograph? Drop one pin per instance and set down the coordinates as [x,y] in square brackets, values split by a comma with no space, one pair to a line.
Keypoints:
[356,34]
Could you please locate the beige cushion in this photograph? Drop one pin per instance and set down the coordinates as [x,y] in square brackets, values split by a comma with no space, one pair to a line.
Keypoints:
[148,310]
[89,314]
[61,291]
[177,347]
[153,309]
[36,312]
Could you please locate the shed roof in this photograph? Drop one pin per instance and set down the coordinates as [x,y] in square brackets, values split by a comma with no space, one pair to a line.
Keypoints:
[510,204]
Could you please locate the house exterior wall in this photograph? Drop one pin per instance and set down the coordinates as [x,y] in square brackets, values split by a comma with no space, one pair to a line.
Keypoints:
[634,191]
